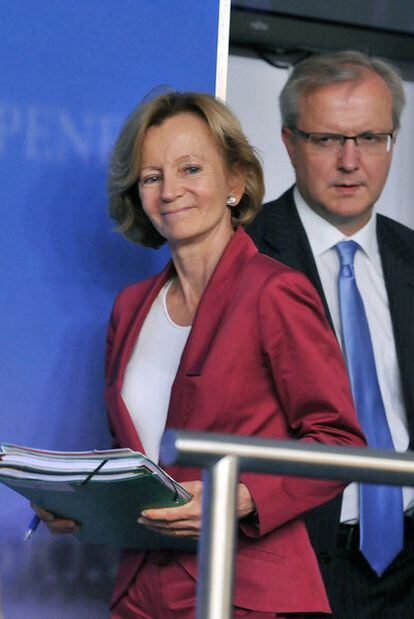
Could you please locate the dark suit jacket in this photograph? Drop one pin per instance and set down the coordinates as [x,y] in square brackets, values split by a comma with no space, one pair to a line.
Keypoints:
[250,367]
[278,232]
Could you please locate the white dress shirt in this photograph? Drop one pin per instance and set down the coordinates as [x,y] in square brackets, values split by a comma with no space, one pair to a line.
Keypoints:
[151,371]
[369,275]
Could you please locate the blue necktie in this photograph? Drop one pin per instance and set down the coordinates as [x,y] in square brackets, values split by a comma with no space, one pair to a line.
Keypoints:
[381,516]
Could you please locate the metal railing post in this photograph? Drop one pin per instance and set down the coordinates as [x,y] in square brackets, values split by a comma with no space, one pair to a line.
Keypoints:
[218,539]
[223,455]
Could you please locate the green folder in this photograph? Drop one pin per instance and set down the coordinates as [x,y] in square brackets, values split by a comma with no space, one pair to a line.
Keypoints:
[106,506]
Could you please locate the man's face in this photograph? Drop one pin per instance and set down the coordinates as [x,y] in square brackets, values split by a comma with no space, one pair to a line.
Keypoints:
[342,186]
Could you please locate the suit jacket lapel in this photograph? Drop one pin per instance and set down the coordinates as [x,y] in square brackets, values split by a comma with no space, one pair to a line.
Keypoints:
[398,267]
[215,301]
[133,319]
[210,312]
[286,235]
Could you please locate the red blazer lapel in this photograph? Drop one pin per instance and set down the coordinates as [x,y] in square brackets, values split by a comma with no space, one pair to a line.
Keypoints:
[214,303]
[136,303]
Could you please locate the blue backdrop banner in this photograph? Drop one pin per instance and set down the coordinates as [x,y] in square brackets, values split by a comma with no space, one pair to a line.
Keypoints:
[71,72]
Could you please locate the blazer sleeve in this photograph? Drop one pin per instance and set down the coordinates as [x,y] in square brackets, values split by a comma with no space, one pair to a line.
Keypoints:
[312,388]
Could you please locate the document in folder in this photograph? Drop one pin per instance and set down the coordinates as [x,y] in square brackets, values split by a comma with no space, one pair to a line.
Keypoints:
[104,491]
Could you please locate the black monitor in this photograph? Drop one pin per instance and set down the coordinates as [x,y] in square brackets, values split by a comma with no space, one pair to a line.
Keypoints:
[291,29]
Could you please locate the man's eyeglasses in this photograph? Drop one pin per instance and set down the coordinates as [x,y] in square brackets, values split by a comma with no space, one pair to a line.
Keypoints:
[368,143]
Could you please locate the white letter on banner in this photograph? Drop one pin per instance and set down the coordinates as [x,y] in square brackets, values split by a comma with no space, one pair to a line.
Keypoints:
[10,123]
[71,135]
[38,136]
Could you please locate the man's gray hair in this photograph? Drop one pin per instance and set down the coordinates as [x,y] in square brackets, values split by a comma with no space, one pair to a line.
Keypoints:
[326,69]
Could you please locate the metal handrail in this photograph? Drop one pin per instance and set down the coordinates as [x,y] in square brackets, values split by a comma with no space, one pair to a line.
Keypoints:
[223,456]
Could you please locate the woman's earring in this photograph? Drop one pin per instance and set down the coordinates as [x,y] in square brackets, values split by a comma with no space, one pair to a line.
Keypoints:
[231,201]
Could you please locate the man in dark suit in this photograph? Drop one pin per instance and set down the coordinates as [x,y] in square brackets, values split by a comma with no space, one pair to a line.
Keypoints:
[340,117]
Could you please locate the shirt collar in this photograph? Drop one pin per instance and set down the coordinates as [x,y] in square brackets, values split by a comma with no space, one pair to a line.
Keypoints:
[323,236]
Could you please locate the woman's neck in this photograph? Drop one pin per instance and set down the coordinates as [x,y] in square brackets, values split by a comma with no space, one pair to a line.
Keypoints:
[194,265]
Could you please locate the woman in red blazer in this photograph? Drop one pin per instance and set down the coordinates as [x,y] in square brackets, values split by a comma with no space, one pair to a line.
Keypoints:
[225,340]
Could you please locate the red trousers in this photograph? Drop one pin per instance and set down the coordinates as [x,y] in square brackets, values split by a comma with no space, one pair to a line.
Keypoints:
[164,590]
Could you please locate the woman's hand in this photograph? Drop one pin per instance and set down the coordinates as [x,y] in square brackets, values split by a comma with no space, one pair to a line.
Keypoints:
[185,520]
[55,524]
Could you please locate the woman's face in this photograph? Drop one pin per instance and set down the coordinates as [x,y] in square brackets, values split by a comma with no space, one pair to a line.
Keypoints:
[184,183]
